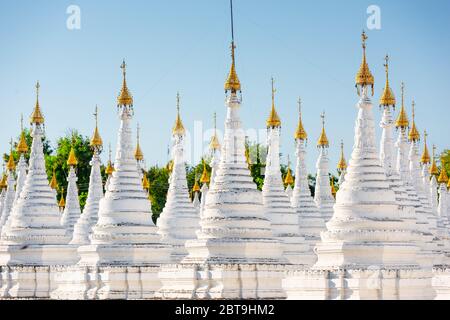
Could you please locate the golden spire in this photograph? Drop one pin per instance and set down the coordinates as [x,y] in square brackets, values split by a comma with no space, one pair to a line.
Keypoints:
[333,189]
[3,183]
[138,155]
[178,128]
[214,144]
[22,146]
[323,140]
[72,160]
[53,183]
[425,159]
[109,168]
[413,133]
[388,97]
[96,140]
[443,177]
[11,165]
[125,98]
[274,120]
[62,202]
[402,119]
[364,77]
[36,116]
[196,187]
[205,175]
[342,164]
[145,182]
[169,166]
[300,133]
[433,168]
[232,83]
[289,180]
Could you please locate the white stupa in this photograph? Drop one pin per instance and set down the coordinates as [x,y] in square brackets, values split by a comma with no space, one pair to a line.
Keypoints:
[72,209]
[284,220]
[109,169]
[289,181]
[406,207]
[88,219]
[235,254]
[124,241]
[323,196]
[22,166]
[342,166]
[426,256]
[10,189]
[33,239]
[367,251]
[3,186]
[179,219]
[310,221]
[442,189]
[214,146]
[196,195]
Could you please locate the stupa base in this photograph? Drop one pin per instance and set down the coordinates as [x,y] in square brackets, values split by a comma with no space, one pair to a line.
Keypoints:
[221,281]
[441,282]
[124,254]
[106,282]
[25,270]
[359,284]
[234,251]
[364,254]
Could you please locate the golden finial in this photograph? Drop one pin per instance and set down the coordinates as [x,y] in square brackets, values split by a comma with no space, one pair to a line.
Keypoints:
[364,77]
[96,140]
[169,166]
[214,144]
[125,98]
[443,177]
[402,119]
[196,187]
[3,181]
[36,116]
[145,182]
[323,140]
[22,146]
[11,165]
[232,83]
[62,202]
[300,133]
[138,155]
[388,97]
[109,168]
[289,179]
[413,133]
[433,168]
[205,175]
[274,120]
[72,160]
[178,128]
[53,183]
[333,188]
[342,164]
[425,159]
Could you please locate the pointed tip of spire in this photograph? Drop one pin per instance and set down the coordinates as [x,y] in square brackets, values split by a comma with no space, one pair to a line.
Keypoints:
[289,179]
[402,119]
[425,158]
[178,128]
[125,98]
[433,168]
[96,140]
[37,117]
[342,164]
[273,121]
[232,83]
[72,160]
[443,176]
[388,97]
[364,77]
[323,139]
[413,134]
[205,174]
[300,132]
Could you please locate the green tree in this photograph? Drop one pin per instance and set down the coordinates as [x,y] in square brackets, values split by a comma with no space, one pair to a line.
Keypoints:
[159,184]
[446,156]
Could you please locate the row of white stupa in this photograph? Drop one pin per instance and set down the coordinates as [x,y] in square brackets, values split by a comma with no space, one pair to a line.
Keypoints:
[390,220]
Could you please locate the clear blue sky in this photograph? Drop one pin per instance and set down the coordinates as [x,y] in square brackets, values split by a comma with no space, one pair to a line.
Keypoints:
[312,48]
